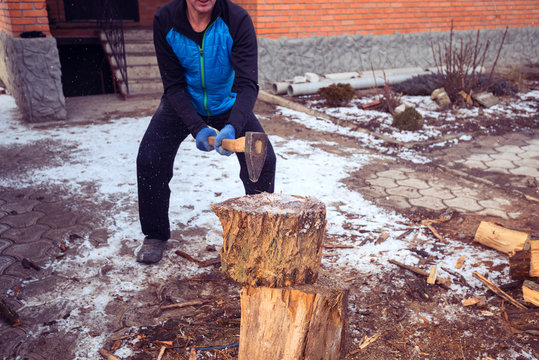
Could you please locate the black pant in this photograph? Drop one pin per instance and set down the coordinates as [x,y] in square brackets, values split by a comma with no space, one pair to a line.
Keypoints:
[155,162]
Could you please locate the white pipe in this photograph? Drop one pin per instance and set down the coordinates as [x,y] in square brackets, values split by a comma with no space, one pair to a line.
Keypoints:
[356,83]
[279,87]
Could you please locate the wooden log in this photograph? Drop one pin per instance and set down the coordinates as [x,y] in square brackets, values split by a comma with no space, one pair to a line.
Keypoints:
[500,238]
[530,292]
[519,264]
[272,240]
[534,258]
[293,323]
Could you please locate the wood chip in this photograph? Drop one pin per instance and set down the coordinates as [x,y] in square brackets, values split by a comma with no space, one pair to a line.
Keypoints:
[383,237]
[108,355]
[431,279]
[460,262]
[367,340]
[473,301]
[349,279]
[161,352]
[436,233]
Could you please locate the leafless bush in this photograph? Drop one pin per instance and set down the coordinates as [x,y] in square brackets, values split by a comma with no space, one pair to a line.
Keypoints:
[460,65]
[390,99]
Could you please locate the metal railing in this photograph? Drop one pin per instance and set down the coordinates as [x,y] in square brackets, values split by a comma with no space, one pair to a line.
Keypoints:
[112,26]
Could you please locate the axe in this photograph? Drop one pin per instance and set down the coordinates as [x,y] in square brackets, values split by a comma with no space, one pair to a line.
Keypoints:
[255,147]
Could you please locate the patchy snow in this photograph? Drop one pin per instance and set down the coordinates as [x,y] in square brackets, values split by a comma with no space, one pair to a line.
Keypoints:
[105,154]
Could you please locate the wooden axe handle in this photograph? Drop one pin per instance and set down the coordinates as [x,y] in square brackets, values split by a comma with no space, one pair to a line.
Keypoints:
[237,145]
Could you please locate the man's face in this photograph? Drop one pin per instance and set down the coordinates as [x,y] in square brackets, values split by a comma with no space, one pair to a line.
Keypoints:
[203,7]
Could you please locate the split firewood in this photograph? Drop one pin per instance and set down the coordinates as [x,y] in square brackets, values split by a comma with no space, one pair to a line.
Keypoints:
[9,315]
[416,270]
[530,291]
[108,355]
[183,304]
[272,240]
[534,258]
[519,264]
[494,288]
[298,322]
[500,238]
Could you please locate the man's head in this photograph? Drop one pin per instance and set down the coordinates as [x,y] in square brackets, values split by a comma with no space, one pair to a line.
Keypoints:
[201,7]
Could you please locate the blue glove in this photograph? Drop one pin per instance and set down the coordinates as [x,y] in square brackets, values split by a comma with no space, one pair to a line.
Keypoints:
[228,132]
[202,139]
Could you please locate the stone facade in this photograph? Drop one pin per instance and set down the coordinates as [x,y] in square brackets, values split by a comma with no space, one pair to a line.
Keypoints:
[30,70]
[282,59]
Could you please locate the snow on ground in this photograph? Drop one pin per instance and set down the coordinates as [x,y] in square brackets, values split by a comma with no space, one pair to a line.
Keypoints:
[105,154]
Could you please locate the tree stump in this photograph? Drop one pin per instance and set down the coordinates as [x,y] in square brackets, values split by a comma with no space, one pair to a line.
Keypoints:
[299,322]
[272,240]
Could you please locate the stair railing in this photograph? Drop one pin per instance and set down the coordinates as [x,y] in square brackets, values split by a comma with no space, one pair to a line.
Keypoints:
[112,26]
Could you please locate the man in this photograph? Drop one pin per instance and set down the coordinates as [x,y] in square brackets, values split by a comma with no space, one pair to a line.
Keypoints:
[207,56]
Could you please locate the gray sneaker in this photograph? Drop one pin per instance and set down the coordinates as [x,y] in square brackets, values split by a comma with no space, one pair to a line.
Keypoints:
[151,251]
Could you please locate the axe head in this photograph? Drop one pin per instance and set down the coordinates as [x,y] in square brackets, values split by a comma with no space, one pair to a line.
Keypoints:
[256,147]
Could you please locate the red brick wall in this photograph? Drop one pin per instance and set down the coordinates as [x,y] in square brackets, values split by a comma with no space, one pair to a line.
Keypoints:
[17,16]
[304,18]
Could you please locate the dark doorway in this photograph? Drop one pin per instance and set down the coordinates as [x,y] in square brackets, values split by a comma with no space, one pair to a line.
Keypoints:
[85,69]
[92,10]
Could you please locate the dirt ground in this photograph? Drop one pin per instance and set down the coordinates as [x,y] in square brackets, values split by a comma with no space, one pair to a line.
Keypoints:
[386,307]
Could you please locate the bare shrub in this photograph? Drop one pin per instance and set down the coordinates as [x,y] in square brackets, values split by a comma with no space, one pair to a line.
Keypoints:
[390,100]
[460,65]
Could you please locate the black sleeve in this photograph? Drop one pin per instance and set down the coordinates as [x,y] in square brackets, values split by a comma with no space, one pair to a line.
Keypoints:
[173,77]
[244,60]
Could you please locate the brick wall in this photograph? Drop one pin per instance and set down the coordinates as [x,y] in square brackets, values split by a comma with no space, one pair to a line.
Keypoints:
[17,16]
[304,18]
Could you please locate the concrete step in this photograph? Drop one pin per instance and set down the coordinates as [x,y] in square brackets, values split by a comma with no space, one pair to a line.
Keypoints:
[133,60]
[138,35]
[138,87]
[139,48]
[143,72]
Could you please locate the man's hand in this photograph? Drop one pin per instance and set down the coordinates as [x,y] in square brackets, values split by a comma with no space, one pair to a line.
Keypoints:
[228,132]
[202,139]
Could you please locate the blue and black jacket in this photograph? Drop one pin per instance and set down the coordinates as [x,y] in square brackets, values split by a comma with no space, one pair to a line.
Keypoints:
[217,76]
